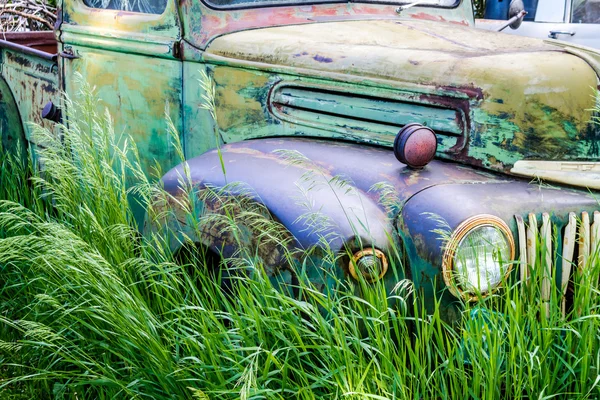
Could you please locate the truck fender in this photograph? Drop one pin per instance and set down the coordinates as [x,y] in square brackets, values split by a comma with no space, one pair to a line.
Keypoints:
[11,126]
[320,211]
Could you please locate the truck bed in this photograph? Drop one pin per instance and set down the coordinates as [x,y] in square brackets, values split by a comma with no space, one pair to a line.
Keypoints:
[28,80]
[43,44]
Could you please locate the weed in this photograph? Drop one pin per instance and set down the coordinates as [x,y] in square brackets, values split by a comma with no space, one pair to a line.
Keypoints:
[91,309]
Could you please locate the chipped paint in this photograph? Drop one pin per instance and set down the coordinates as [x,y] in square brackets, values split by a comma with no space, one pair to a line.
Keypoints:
[508,113]
[32,81]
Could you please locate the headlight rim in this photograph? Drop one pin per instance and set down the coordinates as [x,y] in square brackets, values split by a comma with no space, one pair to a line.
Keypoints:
[466,227]
[352,265]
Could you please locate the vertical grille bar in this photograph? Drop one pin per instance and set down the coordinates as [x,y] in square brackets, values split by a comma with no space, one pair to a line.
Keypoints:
[546,242]
[584,248]
[567,259]
[584,242]
[532,233]
[524,270]
[578,234]
[595,234]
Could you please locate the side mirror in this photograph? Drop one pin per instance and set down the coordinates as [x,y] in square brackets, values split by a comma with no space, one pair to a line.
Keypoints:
[516,10]
[516,13]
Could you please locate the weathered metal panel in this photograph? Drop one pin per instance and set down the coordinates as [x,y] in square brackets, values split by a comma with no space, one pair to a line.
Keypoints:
[33,81]
[257,164]
[199,130]
[306,105]
[517,103]
[248,107]
[11,128]
[136,89]
[132,60]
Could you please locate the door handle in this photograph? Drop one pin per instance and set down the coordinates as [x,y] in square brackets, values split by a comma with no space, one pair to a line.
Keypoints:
[68,53]
[554,34]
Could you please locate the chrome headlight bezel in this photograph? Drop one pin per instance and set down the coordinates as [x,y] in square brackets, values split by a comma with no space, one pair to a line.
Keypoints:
[459,234]
[354,265]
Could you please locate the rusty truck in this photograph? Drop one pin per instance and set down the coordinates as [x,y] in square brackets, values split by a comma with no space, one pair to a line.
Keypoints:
[457,125]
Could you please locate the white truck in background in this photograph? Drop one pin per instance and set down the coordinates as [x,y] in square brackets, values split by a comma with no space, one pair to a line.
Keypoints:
[574,21]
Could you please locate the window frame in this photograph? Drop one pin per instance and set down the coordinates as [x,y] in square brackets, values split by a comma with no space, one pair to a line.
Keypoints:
[294,3]
[96,9]
[571,4]
[544,5]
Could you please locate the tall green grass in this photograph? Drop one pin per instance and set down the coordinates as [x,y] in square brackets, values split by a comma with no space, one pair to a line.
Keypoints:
[92,310]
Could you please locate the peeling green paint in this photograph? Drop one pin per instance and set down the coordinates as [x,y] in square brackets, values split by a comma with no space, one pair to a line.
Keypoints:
[491,100]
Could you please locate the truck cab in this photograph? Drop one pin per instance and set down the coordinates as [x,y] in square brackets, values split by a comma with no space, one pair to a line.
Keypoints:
[334,83]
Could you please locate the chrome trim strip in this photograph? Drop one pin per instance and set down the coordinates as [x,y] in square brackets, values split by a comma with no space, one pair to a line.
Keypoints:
[522,249]
[581,174]
[532,234]
[546,241]
[595,236]
[567,260]
[584,243]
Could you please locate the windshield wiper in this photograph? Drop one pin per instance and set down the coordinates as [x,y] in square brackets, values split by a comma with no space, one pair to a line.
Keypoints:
[416,3]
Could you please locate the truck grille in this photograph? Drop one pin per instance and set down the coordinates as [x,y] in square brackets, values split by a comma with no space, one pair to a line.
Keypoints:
[579,239]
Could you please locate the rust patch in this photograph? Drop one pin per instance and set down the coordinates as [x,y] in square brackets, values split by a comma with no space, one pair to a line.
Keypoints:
[48,88]
[463,118]
[18,59]
[43,68]
[428,17]
[471,91]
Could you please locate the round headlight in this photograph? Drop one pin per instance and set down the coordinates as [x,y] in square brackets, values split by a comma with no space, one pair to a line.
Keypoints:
[478,256]
[371,263]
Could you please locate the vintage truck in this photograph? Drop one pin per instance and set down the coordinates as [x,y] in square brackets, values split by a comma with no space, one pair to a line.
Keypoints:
[350,88]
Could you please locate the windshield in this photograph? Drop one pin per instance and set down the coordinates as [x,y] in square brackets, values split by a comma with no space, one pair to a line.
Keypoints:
[270,3]
[586,12]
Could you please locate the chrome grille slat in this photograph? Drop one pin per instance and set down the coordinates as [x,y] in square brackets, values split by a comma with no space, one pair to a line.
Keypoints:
[595,234]
[570,236]
[584,242]
[546,242]
[523,269]
[531,241]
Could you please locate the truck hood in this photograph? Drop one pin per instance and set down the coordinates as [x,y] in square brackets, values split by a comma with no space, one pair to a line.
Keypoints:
[516,98]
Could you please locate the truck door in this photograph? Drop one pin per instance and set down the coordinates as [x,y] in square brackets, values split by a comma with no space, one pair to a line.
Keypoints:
[127,49]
